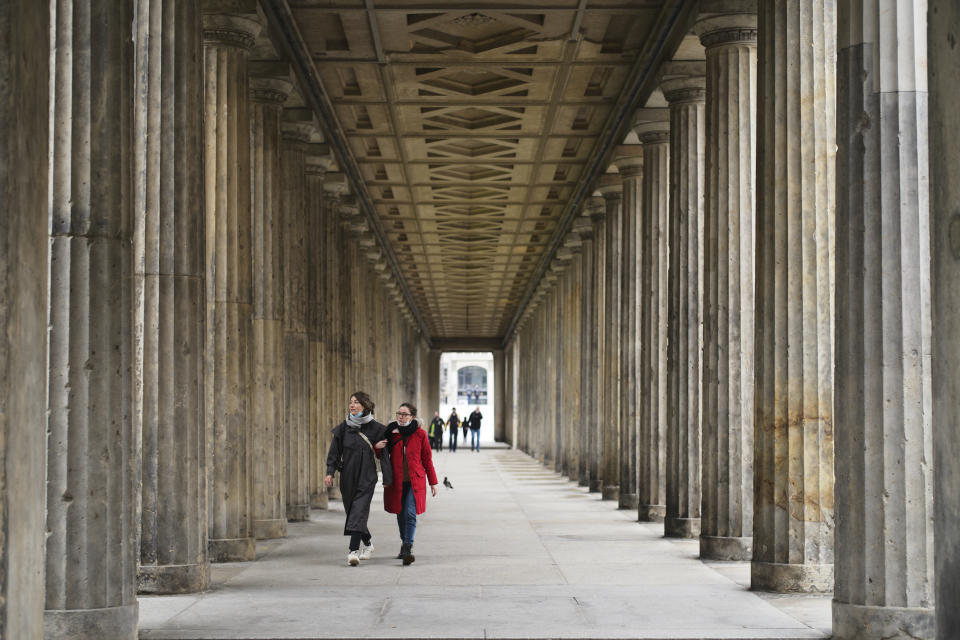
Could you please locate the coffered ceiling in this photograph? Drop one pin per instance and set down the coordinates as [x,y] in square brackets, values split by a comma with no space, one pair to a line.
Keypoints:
[473,126]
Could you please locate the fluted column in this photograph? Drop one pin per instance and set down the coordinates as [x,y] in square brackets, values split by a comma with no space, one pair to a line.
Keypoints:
[884,492]
[944,92]
[296,347]
[610,189]
[227,41]
[629,162]
[267,95]
[726,526]
[596,208]
[24,255]
[651,466]
[92,452]
[684,316]
[588,313]
[168,305]
[793,430]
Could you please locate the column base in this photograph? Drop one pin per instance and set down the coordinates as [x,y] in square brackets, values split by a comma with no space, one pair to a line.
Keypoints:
[298,512]
[320,501]
[92,624]
[270,529]
[726,548]
[681,527]
[595,486]
[173,578]
[584,481]
[651,512]
[610,492]
[628,501]
[232,550]
[862,622]
[791,578]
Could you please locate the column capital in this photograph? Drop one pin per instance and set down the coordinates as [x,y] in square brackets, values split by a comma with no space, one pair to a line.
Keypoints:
[318,158]
[231,30]
[736,27]
[335,184]
[685,89]
[298,125]
[609,186]
[628,159]
[595,208]
[269,90]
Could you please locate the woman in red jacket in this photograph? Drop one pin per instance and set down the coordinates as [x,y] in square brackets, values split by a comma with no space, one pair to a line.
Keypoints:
[412,462]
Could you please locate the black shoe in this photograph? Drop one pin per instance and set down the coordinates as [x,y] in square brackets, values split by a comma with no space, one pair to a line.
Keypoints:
[407,553]
[400,555]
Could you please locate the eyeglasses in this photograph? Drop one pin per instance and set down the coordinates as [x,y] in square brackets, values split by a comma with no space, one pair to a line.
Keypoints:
[402,415]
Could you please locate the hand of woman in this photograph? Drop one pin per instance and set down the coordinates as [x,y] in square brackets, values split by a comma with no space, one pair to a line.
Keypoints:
[433,490]
[328,481]
[381,444]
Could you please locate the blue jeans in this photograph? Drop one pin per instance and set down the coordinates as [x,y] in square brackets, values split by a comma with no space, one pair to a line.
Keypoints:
[407,518]
[474,439]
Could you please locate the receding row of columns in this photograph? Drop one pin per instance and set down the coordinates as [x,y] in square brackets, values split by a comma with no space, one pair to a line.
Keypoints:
[764,260]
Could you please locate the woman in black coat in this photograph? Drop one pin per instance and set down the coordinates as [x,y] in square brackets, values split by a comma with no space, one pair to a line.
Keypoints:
[352,453]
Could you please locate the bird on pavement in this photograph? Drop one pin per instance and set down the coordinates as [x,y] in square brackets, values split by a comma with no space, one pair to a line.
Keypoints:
[446,483]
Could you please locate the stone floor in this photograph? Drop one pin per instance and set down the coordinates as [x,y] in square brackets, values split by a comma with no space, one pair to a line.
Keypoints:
[512,551]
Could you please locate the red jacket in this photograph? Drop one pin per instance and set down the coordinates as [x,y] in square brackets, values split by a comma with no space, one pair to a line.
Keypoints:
[420,464]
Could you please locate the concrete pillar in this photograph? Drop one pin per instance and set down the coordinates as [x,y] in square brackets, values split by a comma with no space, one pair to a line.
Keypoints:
[296,348]
[499,379]
[168,304]
[588,349]
[597,210]
[629,162]
[227,40]
[684,319]
[884,492]
[92,452]
[24,254]
[726,526]
[654,225]
[610,189]
[793,429]
[944,91]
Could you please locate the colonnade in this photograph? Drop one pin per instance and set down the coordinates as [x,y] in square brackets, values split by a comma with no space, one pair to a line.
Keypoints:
[215,295]
[778,213]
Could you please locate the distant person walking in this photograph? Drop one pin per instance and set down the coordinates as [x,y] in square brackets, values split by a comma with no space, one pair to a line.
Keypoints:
[352,454]
[464,426]
[474,421]
[412,463]
[453,423]
[436,432]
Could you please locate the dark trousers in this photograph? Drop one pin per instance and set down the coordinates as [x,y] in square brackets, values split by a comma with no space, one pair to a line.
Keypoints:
[453,440]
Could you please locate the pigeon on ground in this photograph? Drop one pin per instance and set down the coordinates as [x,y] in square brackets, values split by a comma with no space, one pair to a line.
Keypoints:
[446,483]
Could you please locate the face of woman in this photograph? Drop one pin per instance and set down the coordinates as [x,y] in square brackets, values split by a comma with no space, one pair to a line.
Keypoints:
[355,407]
[403,416]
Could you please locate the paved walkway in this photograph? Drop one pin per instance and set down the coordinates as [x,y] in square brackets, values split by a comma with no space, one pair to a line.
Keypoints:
[512,551]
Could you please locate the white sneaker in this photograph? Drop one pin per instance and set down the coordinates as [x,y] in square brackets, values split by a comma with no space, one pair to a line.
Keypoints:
[353,558]
[366,551]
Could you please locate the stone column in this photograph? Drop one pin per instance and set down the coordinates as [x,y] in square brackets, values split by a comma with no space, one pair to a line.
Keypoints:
[588,417]
[92,450]
[610,189]
[629,162]
[432,402]
[296,349]
[944,91]
[499,377]
[655,214]
[168,304]
[726,526]
[24,254]
[227,40]
[597,210]
[267,95]
[684,317]
[884,492]
[793,429]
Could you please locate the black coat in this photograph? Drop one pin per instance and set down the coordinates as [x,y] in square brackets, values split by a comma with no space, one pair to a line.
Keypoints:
[358,475]
[475,419]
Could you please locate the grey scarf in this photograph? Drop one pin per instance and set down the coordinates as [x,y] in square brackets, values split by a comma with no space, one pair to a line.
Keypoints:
[358,422]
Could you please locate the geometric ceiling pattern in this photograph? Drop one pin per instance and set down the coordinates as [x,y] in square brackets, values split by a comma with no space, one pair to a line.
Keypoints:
[471,127]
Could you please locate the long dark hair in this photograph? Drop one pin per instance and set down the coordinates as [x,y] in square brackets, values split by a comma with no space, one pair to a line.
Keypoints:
[364,399]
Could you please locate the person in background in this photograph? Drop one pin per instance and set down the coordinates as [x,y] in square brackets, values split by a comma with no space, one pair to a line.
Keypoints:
[436,432]
[353,452]
[412,465]
[463,425]
[474,422]
[453,423]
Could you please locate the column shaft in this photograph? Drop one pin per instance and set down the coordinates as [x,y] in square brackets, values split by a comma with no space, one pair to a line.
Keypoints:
[884,491]
[227,40]
[598,213]
[793,430]
[588,423]
[92,452]
[24,255]
[168,305]
[611,347]
[685,321]
[728,295]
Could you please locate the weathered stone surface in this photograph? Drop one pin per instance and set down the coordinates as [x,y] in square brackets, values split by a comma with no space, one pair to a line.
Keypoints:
[588,419]
[168,305]
[728,291]
[611,189]
[92,453]
[24,253]
[793,472]
[944,88]
[596,208]
[684,314]
[227,39]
